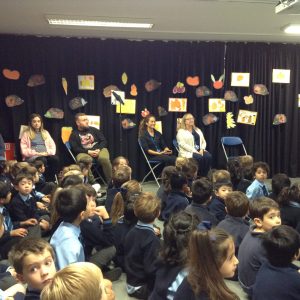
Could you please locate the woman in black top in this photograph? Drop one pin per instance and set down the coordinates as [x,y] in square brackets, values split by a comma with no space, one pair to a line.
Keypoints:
[153,142]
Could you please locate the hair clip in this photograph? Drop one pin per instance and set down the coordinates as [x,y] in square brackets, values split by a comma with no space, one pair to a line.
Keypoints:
[212,237]
[204,225]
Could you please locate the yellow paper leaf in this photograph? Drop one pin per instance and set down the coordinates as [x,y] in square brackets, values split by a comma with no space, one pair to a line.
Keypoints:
[124,78]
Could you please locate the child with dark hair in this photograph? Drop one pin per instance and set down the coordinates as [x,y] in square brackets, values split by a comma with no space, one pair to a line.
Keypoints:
[202,190]
[177,199]
[260,172]
[173,255]
[71,180]
[141,247]
[279,182]
[237,206]
[289,203]
[70,204]
[189,169]
[41,185]
[217,204]
[119,161]
[265,215]
[278,278]
[246,162]
[210,259]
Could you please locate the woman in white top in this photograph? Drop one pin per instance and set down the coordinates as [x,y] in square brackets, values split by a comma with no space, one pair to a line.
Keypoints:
[192,144]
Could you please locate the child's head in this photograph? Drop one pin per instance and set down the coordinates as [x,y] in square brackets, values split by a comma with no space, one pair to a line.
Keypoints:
[289,194]
[237,204]
[85,280]
[17,167]
[33,260]
[31,170]
[85,164]
[265,213]
[129,216]
[188,166]
[90,198]
[89,190]
[222,188]
[180,161]
[147,207]
[165,177]
[70,204]
[177,231]
[71,180]
[39,165]
[280,181]
[235,170]
[5,193]
[178,181]
[260,171]
[23,183]
[119,161]
[202,190]
[246,162]
[282,245]
[121,175]
[212,258]
[220,175]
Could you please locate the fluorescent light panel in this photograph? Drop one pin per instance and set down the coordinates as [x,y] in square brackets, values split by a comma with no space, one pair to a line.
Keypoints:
[95,23]
[292,29]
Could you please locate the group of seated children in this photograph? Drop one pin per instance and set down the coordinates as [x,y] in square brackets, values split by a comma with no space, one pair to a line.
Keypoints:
[208,223]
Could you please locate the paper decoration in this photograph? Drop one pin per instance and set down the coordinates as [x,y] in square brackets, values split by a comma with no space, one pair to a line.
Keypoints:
[152,85]
[54,113]
[240,79]
[281,76]
[298,100]
[179,88]
[202,91]
[230,96]
[230,123]
[260,89]
[127,124]
[161,111]
[13,100]
[248,99]
[279,119]
[113,99]
[178,104]
[127,108]
[65,133]
[107,90]
[77,102]
[133,90]
[209,119]
[178,122]
[94,121]
[217,84]
[64,84]
[145,112]
[124,78]
[12,75]
[216,105]
[193,81]
[247,117]
[86,82]
[22,129]
[36,80]
[158,126]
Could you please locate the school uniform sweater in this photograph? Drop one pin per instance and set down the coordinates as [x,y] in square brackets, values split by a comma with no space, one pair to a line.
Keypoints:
[217,208]
[185,292]
[202,212]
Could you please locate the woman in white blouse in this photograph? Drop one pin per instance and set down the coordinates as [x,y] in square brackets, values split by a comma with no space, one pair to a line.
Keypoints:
[192,144]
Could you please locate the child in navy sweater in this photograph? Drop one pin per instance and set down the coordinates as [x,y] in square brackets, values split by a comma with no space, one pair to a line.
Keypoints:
[278,278]
[141,247]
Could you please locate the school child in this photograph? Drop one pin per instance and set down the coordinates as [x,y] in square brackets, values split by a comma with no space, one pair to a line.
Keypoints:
[33,261]
[279,182]
[177,199]
[217,204]
[70,205]
[265,214]
[220,175]
[278,278]
[237,207]
[41,185]
[202,190]
[80,281]
[173,255]
[211,258]
[141,247]
[119,161]
[258,188]
[246,162]
[189,167]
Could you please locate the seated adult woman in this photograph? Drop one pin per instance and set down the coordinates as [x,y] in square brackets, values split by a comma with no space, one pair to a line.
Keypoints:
[153,142]
[36,143]
[192,144]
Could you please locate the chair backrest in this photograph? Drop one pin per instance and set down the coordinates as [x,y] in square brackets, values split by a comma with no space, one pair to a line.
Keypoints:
[68,146]
[175,144]
[231,140]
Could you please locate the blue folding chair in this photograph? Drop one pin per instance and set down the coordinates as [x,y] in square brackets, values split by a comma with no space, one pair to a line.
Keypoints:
[175,144]
[152,164]
[232,142]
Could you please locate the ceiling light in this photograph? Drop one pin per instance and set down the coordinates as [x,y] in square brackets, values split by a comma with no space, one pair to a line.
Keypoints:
[292,29]
[97,23]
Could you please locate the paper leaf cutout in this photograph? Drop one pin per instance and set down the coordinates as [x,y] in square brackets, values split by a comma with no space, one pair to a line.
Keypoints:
[12,75]
[77,102]
[279,119]
[107,90]
[178,104]
[209,119]
[260,89]
[127,124]
[152,85]
[217,84]
[64,83]
[54,113]
[133,90]
[13,100]
[230,121]
[248,99]
[193,81]
[230,96]
[124,78]
[161,111]
[145,113]
[179,88]
[36,80]
[202,91]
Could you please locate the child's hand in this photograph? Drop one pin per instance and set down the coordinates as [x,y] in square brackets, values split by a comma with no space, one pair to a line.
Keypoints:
[44,225]
[157,231]
[19,232]
[110,294]
[187,191]
[41,205]
[46,198]
[29,222]
[102,212]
